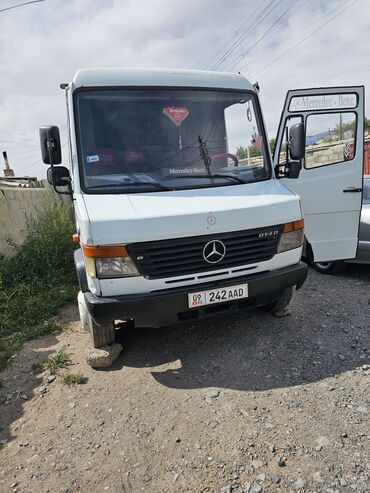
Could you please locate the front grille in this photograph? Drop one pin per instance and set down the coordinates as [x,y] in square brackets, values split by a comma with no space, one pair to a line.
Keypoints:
[181,256]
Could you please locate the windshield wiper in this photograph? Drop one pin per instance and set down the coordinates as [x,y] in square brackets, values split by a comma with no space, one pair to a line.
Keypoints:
[210,176]
[204,154]
[153,184]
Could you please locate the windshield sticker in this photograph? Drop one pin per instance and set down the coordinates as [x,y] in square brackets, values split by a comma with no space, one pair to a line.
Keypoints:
[92,159]
[176,115]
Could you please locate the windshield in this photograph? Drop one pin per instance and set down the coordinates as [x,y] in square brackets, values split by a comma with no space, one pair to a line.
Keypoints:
[154,140]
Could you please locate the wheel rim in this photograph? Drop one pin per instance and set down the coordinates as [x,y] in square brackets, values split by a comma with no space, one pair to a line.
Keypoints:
[323,265]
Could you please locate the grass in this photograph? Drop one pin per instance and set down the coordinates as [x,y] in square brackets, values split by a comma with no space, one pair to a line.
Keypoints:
[74,378]
[38,280]
[53,363]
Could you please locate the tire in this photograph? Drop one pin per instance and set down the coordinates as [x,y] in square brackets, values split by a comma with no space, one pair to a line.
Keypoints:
[281,303]
[334,267]
[101,334]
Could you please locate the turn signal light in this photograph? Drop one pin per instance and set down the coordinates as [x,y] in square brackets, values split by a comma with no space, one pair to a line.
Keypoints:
[293,226]
[104,251]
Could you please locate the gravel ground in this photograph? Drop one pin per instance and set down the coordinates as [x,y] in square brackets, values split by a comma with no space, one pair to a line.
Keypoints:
[240,403]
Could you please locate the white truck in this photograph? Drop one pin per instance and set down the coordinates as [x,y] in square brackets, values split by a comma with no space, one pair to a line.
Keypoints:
[180,210]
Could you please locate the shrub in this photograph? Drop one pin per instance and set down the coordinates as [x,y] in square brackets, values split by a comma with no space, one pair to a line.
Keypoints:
[38,280]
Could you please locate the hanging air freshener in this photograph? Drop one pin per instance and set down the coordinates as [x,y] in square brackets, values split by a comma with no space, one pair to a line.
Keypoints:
[177,115]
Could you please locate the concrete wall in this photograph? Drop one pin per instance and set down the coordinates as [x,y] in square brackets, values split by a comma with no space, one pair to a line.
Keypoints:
[17,205]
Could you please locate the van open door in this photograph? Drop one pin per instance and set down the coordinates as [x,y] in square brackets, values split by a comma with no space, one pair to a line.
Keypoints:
[330,180]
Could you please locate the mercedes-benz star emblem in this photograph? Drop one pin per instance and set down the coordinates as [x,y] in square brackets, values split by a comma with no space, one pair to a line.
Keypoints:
[214,251]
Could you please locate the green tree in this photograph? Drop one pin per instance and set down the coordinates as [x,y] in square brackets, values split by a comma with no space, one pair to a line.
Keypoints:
[272,144]
[241,152]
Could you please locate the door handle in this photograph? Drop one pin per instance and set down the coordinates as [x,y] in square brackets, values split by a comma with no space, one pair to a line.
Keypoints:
[352,190]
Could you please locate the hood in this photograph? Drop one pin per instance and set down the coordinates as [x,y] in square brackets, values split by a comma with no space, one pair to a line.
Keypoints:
[137,217]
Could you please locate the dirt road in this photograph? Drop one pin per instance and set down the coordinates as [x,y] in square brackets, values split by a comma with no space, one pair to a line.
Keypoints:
[241,403]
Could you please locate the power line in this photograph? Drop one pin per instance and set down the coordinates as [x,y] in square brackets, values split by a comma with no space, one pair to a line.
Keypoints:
[212,57]
[278,21]
[21,5]
[262,16]
[261,57]
[242,32]
[306,37]
[246,34]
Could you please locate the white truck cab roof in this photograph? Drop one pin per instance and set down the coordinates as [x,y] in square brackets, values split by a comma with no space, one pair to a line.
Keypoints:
[109,77]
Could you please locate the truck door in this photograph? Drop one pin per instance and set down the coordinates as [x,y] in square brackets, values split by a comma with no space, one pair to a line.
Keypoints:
[330,180]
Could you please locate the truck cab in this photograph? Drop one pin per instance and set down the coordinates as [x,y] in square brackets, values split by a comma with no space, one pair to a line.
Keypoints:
[180,210]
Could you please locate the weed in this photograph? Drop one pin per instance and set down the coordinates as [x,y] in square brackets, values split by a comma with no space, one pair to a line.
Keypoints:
[57,361]
[53,363]
[38,280]
[74,378]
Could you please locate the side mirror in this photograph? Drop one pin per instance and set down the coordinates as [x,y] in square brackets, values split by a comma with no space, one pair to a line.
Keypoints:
[297,144]
[294,168]
[58,176]
[50,145]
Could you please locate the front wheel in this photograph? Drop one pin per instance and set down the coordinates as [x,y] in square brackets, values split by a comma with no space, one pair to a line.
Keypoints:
[334,267]
[280,303]
[102,333]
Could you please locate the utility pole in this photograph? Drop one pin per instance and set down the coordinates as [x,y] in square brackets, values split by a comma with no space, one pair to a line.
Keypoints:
[8,172]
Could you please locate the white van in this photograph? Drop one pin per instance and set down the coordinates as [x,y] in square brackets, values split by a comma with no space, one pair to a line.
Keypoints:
[181,212]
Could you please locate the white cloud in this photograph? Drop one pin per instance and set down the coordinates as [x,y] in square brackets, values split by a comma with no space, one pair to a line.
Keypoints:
[43,44]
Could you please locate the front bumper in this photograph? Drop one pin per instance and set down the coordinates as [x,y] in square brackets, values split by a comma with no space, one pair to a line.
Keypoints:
[170,306]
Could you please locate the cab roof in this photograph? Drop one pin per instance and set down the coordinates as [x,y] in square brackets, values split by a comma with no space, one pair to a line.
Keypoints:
[112,77]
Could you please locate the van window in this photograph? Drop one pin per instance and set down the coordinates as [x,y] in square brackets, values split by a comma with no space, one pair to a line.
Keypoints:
[330,138]
[129,139]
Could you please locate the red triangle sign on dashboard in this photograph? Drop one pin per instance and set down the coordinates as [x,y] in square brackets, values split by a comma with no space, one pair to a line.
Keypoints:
[176,114]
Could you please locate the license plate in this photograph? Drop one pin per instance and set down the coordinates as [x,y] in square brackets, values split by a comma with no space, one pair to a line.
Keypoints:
[218,295]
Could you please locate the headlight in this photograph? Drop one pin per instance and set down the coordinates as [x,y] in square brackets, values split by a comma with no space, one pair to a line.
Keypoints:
[106,262]
[115,267]
[292,236]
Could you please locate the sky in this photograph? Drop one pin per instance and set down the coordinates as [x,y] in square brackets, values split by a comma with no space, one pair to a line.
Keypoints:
[282,44]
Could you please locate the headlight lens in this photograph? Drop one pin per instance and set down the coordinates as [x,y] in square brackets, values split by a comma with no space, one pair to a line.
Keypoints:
[291,240]
[106,262]
[292,236]
[115,267]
